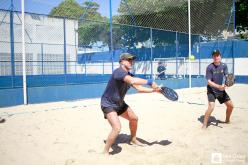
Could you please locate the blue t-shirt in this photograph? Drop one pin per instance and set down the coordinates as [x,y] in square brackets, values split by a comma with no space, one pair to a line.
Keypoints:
[161,71]
[216,74]
[116,89]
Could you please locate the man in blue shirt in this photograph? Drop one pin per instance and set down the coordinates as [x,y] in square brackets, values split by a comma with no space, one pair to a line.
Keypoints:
[215,74]
[161,70]
[113,104]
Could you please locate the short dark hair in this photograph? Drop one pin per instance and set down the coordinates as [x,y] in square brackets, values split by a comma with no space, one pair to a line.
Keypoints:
[216,52]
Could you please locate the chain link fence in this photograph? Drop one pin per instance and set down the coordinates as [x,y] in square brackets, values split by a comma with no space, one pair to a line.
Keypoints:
[71,42]
[208,17]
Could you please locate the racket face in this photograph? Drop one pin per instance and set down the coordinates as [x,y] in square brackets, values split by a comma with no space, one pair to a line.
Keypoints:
[169,93]
[230,79]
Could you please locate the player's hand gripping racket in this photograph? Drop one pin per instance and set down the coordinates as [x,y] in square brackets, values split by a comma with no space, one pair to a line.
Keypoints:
[169,93]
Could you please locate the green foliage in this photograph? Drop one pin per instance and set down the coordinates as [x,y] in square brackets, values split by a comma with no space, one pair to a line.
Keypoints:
[172,15]
[160,14]
[244,34]
[91,32]
[88,32]
[91,11]
[68,8]
[242,18]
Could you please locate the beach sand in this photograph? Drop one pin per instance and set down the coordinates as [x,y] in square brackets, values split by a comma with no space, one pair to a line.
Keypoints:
[73,132]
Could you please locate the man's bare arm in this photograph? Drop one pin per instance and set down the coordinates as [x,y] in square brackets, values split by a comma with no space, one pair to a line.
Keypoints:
[212,84]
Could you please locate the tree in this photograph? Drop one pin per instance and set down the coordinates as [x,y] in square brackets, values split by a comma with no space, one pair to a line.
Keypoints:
[208,17]
[68,8]
[91,11]
[242,18]
[92,26]
[152,13]
[93,32]
[90,30]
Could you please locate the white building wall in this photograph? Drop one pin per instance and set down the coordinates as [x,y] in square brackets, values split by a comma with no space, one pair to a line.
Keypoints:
[144,67]
[241,66]
[43,34]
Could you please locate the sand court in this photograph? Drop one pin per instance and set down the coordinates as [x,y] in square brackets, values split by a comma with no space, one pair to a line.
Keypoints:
[74,132]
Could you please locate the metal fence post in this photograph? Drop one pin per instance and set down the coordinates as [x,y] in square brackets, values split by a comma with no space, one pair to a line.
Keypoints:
[234,17]
[12,46]
[199,53]
[85,68]
[65,67]
[24,78]
[233,59]
[189,24]
[151,53]
[111,33]
[176,53]
[42,59]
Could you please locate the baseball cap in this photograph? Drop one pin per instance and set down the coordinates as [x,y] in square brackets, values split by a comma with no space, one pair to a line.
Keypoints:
[216,52]
[127,56]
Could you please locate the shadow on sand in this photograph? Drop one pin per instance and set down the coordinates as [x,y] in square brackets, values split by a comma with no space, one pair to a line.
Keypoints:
[211,121]
[124,138]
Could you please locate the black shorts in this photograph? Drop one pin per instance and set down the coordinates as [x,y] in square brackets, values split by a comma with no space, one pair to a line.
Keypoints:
[222,97]
[119,110]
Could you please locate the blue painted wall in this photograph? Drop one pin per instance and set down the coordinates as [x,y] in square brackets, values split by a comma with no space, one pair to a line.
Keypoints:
[11,97]
[51,80]
[68,92]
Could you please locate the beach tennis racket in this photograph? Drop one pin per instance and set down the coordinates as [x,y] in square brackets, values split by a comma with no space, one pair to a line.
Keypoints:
[229,80]
[169,93]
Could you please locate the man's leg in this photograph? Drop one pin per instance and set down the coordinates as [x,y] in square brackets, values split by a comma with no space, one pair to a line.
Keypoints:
[114,121]
[133,124]
[229,109]
[207,114]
